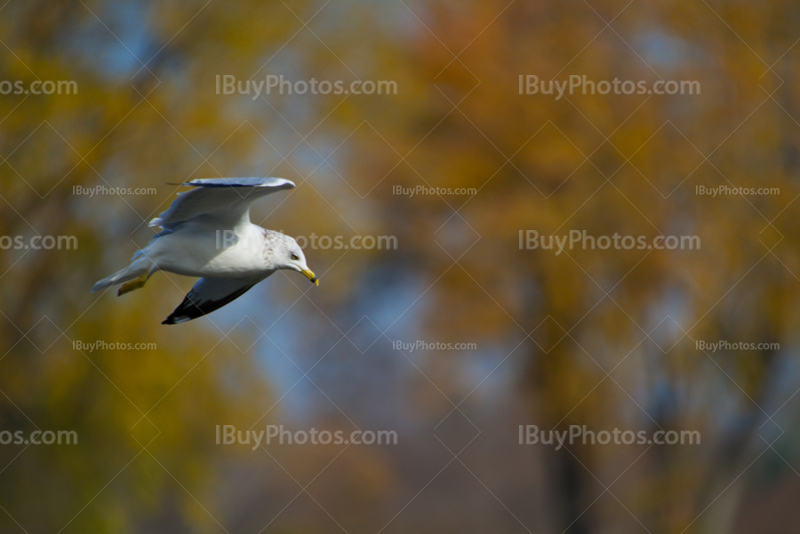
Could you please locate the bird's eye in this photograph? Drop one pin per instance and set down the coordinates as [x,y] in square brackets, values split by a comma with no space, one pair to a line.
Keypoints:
[295,257]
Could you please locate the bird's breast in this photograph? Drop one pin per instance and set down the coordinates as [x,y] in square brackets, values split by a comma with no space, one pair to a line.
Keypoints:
[216,253]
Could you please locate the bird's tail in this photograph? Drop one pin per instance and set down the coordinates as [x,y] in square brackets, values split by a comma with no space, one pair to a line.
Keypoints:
[140,270]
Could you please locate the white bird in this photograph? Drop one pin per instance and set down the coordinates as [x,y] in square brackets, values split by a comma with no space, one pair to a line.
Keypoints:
[207,233]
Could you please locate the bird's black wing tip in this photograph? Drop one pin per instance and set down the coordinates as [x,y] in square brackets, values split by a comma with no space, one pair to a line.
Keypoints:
[182,317]
[189,309]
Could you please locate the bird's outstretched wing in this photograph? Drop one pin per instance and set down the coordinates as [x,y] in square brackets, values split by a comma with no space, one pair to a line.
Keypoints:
[209,294]
[226,201]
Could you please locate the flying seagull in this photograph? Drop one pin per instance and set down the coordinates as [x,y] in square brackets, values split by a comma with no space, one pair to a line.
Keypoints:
[207,232]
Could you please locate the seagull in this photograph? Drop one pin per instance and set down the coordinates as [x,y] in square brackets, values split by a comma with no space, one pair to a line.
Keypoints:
[207,233]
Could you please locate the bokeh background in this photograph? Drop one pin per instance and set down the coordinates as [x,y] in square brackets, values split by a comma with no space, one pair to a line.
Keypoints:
[606,339]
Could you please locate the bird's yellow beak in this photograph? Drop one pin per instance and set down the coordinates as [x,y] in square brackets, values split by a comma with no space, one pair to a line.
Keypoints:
[311,276]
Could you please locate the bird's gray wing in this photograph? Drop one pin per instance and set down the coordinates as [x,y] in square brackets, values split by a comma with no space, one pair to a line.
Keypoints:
[209,294]
[224,201]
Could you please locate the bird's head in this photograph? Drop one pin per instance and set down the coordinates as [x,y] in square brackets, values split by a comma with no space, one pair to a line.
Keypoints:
[289,255]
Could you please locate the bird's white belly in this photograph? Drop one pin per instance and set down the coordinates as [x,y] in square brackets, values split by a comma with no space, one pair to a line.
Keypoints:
[201,253]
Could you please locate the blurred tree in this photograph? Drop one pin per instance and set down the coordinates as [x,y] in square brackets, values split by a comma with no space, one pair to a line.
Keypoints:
[601,338]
